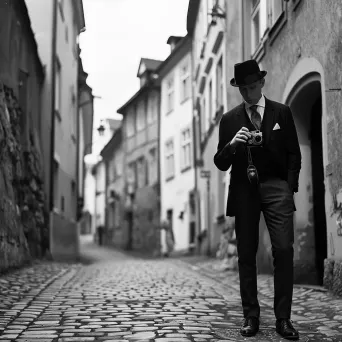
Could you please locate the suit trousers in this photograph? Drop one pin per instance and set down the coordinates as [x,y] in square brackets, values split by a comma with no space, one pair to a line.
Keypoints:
[275,199]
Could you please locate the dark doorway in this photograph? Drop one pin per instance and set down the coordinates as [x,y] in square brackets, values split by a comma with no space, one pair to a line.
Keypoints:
[130,230]
[169,217]
[318,190]
[310,218]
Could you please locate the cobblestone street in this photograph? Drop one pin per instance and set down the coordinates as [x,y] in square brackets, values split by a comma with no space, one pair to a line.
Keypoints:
[122,298]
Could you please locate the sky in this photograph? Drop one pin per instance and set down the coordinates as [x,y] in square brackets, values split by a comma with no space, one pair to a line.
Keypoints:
[118,34]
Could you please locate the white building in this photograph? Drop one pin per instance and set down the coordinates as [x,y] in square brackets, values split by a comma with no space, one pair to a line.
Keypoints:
[57,25]
[214,52]
[92,204]
[176,145]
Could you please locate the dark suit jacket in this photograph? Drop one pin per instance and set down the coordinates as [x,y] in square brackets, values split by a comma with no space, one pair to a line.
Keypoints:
[282,146]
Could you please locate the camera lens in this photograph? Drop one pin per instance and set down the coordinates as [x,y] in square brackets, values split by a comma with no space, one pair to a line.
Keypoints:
[257,138]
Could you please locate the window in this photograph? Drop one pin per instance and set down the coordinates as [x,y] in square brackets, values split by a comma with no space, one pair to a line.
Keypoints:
[61,8]
[258,22]
[141,172]
[111,171]
[210,98]
[131,174]
[170,95]
[204,121]
[185,149]
[141,116]
[55,183]
[58,88]
[130,123]
[152,170]
[169,159]
[62,203]
[185,82]
[219,85]
[73,113]
[152,108]
[276,8]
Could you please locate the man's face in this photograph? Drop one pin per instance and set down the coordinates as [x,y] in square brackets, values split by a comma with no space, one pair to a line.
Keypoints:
[252,92]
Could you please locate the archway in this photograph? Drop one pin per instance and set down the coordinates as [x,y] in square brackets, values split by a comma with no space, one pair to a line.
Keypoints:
[305,101]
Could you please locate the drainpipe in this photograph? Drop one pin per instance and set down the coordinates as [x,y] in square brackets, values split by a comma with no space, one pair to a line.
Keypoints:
[78,110]
[194,135]
[53,88]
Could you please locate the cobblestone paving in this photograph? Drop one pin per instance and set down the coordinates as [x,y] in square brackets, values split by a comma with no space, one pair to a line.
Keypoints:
[120,298]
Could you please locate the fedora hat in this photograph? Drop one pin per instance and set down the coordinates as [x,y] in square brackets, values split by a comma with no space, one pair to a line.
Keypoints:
[246,73]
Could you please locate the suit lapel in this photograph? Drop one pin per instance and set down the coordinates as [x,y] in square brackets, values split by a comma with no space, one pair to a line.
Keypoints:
[268,120]
[241,116]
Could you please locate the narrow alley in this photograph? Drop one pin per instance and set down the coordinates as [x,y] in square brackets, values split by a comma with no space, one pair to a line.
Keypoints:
[115,297]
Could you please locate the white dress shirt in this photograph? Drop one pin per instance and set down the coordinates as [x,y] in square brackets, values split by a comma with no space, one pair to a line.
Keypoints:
[260,108]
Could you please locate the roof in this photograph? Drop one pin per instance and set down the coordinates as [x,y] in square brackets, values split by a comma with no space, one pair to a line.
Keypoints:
[21,7]
[150,64]
[148,86]
[79,14]
[114,124]
[192,15]
[174,38]
[112,144]
[183,46]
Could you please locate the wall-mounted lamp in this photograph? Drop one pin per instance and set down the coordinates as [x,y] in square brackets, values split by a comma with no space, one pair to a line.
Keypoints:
[101,130]
[217,12]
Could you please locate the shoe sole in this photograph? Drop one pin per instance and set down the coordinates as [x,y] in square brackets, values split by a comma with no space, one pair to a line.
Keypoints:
[290,338]
[248,335]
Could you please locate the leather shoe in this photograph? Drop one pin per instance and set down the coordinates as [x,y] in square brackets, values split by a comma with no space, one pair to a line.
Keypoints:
[250,326]
[285,328]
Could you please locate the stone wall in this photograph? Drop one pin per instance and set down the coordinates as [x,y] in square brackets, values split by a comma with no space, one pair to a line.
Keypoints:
[333,276]
[23,229]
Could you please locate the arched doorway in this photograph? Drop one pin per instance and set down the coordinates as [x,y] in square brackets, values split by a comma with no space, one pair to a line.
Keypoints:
[305,101]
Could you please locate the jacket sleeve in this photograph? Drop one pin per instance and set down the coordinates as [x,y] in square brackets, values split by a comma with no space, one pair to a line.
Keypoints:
[224,156]
[294,157]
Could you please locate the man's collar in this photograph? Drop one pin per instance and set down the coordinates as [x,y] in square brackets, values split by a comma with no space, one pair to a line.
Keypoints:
[261,102]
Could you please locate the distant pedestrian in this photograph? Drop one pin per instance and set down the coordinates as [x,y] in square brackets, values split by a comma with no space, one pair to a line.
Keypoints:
[168,238]
[258,139]
[100,231]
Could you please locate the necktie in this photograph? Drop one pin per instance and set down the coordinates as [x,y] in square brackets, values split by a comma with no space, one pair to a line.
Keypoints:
[255,116]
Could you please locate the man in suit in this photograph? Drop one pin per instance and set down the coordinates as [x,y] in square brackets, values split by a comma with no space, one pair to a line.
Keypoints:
[258,139]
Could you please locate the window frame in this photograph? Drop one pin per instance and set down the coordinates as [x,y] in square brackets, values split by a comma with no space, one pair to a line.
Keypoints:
[169,159]
[170,94]
[255,12]
[140,110]
[185,146]
[152,158]
[130,122]
[219,84]
[185,82]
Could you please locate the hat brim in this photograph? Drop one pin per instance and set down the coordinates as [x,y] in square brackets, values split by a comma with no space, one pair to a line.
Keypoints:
[262,74]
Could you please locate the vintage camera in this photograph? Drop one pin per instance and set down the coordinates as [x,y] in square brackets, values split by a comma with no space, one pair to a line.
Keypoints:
[255,139]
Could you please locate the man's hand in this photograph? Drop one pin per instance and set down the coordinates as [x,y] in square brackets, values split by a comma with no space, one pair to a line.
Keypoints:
[240,137]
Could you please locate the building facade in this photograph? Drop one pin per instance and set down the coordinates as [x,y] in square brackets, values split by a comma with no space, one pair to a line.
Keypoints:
[215,42]
[85,142]
[303,64]
[24,227]
[141,161]
[177,177]
[113,158]
[302,56]
[102,134]
[57,34]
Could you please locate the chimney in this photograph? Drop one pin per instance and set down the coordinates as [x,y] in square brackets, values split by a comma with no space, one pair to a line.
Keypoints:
[173,41]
